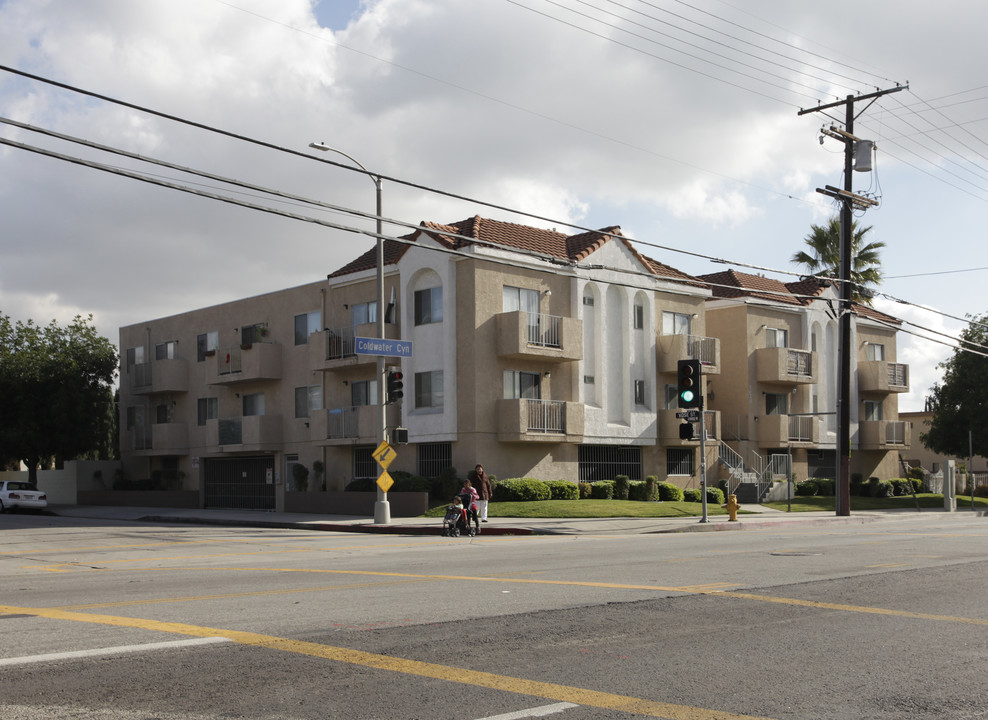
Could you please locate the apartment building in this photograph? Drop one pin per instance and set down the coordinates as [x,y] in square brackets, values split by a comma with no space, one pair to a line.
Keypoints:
[777,393]
[534,352]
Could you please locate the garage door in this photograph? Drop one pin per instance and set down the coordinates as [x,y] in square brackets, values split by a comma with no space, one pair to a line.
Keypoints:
[240,483]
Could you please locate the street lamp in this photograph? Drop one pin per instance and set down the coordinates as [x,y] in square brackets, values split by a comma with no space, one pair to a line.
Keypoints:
[382,508]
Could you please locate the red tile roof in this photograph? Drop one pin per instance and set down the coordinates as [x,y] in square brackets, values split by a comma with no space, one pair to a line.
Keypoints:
[734,284]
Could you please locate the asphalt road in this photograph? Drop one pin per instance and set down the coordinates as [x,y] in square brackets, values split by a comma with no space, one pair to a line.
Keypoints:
[126,621]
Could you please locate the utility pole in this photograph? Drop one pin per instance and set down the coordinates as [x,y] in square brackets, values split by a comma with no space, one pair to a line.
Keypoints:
[848,202]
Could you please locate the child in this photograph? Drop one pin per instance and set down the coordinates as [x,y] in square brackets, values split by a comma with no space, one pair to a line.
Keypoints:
[470,497]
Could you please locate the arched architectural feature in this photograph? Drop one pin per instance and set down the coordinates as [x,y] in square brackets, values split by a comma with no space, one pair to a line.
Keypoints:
[592,379]
[616,366]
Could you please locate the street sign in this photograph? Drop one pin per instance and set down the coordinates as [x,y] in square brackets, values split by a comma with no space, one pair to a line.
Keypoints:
[385,481]
[377,346]
[384,454]
[689,415]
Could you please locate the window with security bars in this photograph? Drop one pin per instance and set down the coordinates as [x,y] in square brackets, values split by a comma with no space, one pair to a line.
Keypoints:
[679,461]
[364,464]
[433,458]
[605,462]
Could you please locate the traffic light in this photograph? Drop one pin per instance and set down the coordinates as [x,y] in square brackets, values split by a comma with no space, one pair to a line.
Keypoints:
[394,387]
[688,385]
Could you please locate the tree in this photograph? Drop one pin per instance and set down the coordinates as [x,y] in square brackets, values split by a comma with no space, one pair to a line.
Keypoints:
[56,386]
[824,258]
[960,402]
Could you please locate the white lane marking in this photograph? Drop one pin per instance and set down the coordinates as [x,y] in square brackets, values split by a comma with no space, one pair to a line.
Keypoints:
[532,712]
[122,649]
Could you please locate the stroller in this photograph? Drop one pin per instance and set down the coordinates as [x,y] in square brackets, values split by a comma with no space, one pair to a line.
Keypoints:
[455,522]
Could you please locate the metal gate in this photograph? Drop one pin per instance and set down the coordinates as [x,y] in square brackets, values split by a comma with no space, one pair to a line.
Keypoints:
[239,483]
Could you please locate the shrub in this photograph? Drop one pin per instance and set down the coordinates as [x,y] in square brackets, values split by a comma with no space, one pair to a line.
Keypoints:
[521,490]
[715,496]
[981,491]
[670,492]
[585,491]
[857,487]
[807,488]
[880,488]
[692,495]
[900,486]
[602,490]
[563,490]
[621,487]
[637,490]
[447,483]
[651,488]
[917,484]
[916,473]
[824,486]
[411,483]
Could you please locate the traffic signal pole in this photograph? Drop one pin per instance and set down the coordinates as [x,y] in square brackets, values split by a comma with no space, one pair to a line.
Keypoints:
[848,201]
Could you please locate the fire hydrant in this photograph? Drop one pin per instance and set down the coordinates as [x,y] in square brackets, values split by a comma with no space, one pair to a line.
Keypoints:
[732,507]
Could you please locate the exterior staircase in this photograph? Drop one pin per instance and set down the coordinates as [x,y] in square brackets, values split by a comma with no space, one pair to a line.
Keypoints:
[749,481]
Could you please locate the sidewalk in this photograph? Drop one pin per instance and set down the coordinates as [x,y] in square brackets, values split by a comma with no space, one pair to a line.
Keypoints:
[756,517]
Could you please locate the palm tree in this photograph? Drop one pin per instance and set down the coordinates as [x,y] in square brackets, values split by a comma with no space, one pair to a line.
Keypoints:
[824,242]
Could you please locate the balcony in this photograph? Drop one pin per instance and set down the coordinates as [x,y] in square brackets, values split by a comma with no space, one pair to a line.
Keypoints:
[159,439]
[528,420]
[879,376]
[669,428]
[785,366]
[245,363]
[530,336]
[350,425]
[334,348]
[253,432]
[673,348]
[884,435]
[161,376]
[786,430]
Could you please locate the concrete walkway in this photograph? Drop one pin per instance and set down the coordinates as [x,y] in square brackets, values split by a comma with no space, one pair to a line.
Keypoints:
[755,517]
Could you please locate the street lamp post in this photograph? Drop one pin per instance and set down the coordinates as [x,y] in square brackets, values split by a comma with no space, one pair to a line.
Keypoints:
[382,508]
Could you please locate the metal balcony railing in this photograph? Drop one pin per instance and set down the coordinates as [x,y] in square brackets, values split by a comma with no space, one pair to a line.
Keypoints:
[898,375]
[546,416]
[543,330]
[799,363]
[342,423]
[340,343]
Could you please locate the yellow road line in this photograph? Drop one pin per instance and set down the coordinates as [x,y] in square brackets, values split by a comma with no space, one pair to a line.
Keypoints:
[849,608]
[504,683]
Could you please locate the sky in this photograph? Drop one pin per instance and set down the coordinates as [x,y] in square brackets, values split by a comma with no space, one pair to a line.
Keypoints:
[676,120]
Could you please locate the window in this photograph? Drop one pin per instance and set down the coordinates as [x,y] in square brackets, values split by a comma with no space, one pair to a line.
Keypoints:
[363,392]
[604,462]
[429,389]
[874,351]
[514,298]
[670,397]
[364,313]
[588,300]
[589,379]
[433,458]
[250,334]
[207,409]
[873,410]
[639,316]
[679,461]
[135,416]
[307,399]
[639,392]
[135,356]
[165,350]
[305,325]
[776,404]
[519,384]
[206,344]
[291,460]
[776,338]
[364,464]
[674,323]
[253,404]
[429,306]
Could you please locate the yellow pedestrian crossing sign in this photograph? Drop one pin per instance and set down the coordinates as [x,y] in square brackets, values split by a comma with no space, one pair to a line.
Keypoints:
[385,481]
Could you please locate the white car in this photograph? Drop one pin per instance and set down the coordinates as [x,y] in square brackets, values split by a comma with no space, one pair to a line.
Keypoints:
[20,494]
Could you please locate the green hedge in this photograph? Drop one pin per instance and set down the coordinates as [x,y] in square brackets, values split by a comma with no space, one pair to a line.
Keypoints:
[622,486]
[715,496]
[563,490]
[807,488]
[602,490]
[521,490]
[668,492]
